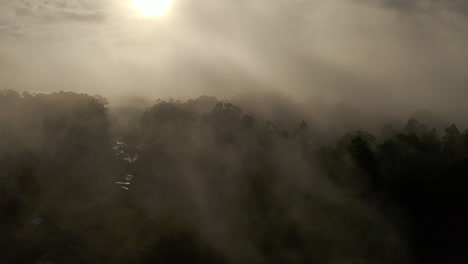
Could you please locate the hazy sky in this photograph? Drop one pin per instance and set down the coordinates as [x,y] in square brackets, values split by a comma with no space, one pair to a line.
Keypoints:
[392,53]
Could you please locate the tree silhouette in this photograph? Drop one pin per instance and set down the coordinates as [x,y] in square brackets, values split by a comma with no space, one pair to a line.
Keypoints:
[202,181]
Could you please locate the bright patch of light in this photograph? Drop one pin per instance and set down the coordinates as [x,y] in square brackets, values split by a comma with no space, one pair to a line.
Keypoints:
[154,8]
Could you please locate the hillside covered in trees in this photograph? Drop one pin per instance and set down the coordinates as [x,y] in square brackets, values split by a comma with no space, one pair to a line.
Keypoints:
[202,181]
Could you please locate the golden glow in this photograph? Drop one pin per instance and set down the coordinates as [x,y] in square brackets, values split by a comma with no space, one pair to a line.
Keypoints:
[153,8]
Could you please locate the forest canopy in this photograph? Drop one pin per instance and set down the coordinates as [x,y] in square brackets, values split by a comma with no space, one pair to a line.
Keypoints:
[203,181]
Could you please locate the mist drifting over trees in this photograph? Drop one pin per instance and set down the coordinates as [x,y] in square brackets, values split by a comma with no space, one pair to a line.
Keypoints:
[301,131]
[210,181]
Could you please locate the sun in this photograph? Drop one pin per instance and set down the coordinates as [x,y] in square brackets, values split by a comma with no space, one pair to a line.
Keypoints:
[151,8]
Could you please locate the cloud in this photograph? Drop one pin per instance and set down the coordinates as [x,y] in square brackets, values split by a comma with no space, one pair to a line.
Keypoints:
[60,16]
[38,17]
[460,6]
[403,55]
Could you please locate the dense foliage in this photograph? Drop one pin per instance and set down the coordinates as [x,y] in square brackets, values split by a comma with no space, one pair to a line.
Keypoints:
[203,182]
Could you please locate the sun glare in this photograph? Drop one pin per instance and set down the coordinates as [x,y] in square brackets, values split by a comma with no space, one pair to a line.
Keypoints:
[152,8]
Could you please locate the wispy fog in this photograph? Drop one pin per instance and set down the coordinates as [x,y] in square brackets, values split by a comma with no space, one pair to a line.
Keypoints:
[398,55]
[235,131]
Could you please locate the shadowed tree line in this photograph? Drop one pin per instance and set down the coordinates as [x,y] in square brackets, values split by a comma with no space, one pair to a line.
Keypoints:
[418,171]
[203,182]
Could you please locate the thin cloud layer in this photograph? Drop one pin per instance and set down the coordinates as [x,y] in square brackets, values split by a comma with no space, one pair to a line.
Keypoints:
[385,54]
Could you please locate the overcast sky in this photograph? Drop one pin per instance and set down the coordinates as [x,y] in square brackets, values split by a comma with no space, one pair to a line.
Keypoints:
[392,53]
